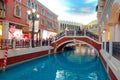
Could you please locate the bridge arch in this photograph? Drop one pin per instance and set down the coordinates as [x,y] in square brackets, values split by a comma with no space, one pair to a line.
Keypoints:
[72,41]
[59,44]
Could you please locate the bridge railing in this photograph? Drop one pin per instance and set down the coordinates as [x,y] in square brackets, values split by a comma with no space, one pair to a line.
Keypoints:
[78,33]
[92,35]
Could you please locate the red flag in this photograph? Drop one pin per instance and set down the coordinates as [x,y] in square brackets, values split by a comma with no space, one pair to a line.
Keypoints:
[5,1]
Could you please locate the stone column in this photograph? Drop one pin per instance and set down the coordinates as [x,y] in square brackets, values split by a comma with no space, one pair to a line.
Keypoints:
[117,33]
[5,30]
[111,40]
[105,35]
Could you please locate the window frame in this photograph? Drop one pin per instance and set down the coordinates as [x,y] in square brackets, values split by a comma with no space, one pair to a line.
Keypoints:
[15,13]
[18,1]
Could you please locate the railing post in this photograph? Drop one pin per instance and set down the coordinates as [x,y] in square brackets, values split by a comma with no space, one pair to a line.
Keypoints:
[74,32]
[14,43]
[48,42]
[84,32]
[41,42]
[102,46]
[30,43]
[65,33]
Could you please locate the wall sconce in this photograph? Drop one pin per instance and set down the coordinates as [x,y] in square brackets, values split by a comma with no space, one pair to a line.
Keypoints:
[104,31]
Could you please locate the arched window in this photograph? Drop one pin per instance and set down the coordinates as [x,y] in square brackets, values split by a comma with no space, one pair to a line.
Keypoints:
[19,1]
[2,9]
[17,11]
[29,3]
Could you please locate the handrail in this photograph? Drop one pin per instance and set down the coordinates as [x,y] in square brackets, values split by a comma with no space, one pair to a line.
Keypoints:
[15,43]
[77,33]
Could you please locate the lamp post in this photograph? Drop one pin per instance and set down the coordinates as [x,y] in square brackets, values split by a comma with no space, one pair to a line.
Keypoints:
[32,15]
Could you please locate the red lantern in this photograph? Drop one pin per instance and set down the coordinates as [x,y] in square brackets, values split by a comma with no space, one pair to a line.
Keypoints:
[5,1]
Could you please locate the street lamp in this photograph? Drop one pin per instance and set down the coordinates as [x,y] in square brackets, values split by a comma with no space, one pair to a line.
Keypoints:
[32,15]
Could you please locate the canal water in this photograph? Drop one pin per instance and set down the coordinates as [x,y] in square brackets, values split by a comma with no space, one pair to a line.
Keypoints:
[80,64]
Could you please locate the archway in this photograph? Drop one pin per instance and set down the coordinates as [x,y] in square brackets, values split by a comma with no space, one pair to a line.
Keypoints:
[60,46]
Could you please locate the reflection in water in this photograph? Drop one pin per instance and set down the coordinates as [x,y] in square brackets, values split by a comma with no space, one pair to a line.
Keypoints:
[84,50]
[81,55]
[79,64]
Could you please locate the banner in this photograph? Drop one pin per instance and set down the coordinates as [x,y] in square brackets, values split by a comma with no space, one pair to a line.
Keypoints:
[36,26]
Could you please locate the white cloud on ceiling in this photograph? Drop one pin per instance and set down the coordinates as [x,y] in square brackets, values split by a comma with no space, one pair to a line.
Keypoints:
[85,9]
[90,1]
[59,9]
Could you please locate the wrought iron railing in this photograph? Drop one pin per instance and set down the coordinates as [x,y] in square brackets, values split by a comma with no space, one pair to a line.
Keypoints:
[107,47]
[92,35]
[78,33]
[22,43]
[116,50]
[103,44]
[13,43]
[4,42]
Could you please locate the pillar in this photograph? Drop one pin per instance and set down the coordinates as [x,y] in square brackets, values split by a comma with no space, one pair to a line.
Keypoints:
[117,33]
[74,32]
[5,30]
[105,37]
[14,43]
[111,40]
[84,32]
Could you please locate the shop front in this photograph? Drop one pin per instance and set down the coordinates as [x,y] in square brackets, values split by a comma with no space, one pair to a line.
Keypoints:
[18,32]
[48,34]
[0,32]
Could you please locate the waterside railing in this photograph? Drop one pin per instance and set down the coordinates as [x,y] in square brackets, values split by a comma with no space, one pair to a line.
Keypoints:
[115,49]
[15,43]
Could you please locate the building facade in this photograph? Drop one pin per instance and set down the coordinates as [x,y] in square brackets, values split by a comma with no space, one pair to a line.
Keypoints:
[109,30]
[15,23]
[109,20]
[68,25]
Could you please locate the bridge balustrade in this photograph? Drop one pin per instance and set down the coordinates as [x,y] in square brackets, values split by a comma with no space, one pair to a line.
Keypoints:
[92,35]
[78,33]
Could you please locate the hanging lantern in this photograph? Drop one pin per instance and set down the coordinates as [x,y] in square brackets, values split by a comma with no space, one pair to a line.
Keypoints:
[5,1]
